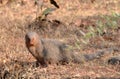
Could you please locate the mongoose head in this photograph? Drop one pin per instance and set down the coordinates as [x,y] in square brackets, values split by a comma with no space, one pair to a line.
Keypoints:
[31,39]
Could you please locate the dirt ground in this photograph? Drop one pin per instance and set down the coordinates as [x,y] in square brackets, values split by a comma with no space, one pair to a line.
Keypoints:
[65,24]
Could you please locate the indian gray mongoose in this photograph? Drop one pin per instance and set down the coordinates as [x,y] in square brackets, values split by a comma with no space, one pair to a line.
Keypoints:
[52,51]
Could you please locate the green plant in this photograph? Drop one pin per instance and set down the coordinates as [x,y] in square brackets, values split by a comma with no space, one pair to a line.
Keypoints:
[47,10]
[101,27]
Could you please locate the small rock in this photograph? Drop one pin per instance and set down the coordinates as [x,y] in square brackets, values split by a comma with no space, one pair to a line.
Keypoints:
[114,60]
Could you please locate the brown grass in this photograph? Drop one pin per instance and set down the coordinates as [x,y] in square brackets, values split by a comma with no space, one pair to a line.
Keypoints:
[16,61]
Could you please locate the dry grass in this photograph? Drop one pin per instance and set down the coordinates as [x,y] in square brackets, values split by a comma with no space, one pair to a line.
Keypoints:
[15,60]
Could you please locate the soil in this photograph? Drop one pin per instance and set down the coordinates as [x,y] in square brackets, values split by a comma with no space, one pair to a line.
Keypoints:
[17,17]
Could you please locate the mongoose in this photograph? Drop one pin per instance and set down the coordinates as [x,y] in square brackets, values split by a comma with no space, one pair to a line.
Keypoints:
[46,51]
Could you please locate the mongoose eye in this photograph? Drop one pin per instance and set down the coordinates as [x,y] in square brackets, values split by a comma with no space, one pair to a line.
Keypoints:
[27,38]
